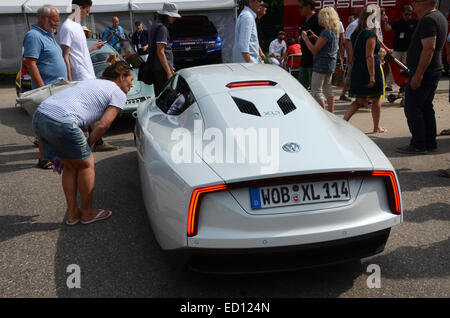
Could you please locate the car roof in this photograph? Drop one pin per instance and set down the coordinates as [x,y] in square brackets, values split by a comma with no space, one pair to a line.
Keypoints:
[213,79]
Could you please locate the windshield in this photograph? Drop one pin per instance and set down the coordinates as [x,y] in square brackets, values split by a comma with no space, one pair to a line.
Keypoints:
[193,27]
[99,57]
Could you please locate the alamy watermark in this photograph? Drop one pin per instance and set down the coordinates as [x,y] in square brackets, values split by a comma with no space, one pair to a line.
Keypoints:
[233,146]
[374,279]
[74,279]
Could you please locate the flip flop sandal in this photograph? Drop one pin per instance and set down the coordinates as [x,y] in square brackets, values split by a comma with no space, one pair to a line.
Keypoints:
[45,164]
[73,223]
[97,217]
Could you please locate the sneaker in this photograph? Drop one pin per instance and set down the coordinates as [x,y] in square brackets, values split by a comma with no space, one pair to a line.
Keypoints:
[345,98]
[411,150]
[104,147]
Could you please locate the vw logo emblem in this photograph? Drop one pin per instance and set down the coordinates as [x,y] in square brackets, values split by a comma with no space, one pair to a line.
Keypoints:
[291,147]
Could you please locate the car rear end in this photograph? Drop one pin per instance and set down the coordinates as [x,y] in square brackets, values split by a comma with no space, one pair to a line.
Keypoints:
[350,211]
[328,201]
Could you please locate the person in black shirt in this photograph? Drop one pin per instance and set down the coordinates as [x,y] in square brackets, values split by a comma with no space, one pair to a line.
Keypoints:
[403,29]
[140,40]
[259,15]
[424,62]
[310,23]
[161,56]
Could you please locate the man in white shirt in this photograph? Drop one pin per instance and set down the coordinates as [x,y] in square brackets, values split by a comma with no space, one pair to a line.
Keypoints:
[76,52]
[74,45]
[277,49]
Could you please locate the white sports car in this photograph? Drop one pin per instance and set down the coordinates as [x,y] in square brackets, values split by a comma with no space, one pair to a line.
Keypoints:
[239,159]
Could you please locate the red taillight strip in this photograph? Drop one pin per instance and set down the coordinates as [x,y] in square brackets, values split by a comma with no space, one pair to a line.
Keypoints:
[194,206]
[250,83]
[393,190]
[389,176]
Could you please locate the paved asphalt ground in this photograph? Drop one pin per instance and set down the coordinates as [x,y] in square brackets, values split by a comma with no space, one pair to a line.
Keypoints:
[120,257]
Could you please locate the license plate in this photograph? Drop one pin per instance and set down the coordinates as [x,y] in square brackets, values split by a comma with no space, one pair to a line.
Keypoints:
[299,193]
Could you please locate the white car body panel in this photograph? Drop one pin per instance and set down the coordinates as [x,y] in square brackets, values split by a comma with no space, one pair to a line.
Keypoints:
[226,220]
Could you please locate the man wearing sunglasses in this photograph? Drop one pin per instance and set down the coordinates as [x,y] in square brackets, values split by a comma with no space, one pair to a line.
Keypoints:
[403,29]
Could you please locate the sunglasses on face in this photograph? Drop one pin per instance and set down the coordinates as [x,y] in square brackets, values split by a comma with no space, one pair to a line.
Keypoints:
[407,14]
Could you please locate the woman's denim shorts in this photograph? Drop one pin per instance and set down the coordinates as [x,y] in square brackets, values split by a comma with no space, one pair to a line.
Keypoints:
[60,141]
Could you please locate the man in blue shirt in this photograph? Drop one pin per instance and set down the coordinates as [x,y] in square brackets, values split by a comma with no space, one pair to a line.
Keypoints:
[42,54]
[113,34]
[246,44]
[42,57]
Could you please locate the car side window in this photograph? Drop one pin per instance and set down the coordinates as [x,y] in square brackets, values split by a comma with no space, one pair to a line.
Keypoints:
[163,100]
[174,101]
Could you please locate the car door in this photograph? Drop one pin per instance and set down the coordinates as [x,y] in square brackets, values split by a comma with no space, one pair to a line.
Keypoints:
[165,192]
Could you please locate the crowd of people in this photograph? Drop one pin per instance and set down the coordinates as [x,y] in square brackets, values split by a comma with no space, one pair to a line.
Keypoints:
[70,125]
[324,44]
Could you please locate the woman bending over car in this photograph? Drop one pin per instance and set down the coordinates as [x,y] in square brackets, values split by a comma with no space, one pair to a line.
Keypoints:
[59,123]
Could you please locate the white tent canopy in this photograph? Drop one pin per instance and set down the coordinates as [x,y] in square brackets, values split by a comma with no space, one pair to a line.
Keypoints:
[16,16]
[65,6]
[11,6]
[183,5]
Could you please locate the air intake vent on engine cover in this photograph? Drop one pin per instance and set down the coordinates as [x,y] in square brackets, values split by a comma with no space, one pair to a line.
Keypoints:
[246,107]
[286,104]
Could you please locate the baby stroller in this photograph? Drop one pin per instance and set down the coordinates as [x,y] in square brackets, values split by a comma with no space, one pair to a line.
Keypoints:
[400,72]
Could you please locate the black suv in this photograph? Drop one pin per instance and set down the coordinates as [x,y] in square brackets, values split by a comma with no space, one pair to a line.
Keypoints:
[195,42]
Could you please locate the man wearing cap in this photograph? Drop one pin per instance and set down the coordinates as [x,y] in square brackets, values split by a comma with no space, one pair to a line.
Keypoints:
[403,29]
[161,55]
[140,40]
[246,44]
[277,49]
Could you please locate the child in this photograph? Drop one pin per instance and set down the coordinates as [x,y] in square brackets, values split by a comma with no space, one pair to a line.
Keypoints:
[381,55]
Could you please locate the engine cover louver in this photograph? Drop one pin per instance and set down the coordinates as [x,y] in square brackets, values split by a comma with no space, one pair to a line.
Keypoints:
[246,107]
[286,104]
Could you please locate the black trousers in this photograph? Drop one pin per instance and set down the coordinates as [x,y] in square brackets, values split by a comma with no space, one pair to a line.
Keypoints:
[159,81]
[420,113]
